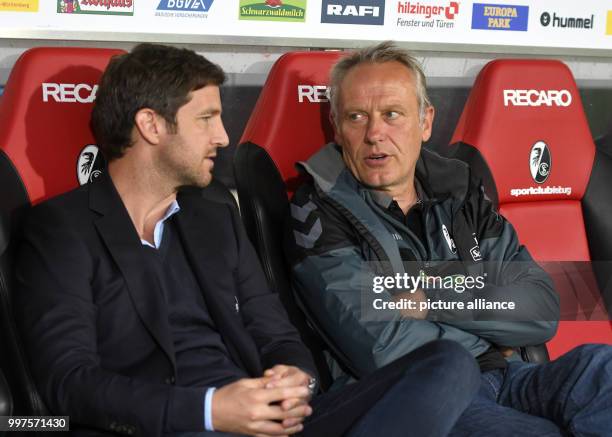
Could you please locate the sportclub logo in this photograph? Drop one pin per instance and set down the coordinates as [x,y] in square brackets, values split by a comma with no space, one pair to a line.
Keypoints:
[90,164]
[540,162]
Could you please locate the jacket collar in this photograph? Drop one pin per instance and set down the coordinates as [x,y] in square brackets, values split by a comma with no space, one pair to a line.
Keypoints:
[202,246]
[437,177]
[199,240]
[121,239]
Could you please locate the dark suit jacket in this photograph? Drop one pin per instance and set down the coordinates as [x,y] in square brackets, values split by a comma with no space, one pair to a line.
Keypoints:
[94,320]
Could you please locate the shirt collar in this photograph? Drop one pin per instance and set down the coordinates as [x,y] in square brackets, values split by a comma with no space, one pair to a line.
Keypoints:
[158,232]
[384,200]
[173,208]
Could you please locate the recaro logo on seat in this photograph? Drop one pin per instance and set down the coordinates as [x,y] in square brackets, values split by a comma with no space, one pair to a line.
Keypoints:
[69,92]
[353,12]
[313,93]
[537,98]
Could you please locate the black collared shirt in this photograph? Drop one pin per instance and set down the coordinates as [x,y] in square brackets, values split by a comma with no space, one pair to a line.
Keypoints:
[413,219]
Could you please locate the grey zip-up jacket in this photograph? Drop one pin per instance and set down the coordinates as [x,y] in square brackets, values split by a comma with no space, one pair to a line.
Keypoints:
[339,238]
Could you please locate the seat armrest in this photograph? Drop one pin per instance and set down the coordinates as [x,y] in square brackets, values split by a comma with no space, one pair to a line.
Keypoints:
[6,400]
[535,354]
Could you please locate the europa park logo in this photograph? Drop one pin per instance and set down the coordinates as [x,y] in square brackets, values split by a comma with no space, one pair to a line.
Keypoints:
[500,17]
[102,7]
[273,10]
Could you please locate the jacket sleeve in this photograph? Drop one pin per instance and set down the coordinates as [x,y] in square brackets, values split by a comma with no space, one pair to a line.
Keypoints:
[331,277]
[56,313]
[263,313]
[511,275]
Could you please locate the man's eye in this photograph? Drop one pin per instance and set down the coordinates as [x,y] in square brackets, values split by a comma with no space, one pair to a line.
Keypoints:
[355,116]
[392,115]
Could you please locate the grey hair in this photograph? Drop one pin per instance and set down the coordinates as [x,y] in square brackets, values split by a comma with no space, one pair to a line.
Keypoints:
[386,51]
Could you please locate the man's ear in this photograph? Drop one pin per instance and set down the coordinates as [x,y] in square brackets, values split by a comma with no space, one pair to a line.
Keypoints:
[427,123]
[149,125]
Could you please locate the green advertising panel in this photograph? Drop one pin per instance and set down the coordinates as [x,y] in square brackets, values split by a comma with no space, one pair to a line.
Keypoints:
[273,10]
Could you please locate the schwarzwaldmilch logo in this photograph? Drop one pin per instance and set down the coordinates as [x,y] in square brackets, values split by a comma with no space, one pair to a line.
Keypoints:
[540,162]
[90,164]
[273,10]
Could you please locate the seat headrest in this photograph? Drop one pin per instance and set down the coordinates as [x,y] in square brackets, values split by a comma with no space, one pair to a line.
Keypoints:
[291,117]
[526,119]
[44,117]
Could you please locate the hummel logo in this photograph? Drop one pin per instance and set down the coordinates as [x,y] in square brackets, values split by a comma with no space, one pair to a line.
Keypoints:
[301,213]
[307,241]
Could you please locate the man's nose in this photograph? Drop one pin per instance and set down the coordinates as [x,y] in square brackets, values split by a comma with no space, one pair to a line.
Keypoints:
[220,137]
[375,131]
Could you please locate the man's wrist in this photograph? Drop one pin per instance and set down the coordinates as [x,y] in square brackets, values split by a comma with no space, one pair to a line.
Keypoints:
[313,382]
[208,423]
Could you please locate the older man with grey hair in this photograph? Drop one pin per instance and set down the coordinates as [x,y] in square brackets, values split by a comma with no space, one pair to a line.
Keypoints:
[387,219]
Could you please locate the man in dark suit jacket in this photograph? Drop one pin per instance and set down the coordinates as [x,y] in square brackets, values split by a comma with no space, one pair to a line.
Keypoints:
[144,311]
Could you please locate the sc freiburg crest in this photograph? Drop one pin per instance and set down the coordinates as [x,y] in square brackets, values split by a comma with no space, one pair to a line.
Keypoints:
[90,164]
[540,162]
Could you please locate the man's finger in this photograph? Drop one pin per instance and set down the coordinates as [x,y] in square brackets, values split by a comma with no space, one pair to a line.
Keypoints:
[271,428]
[288,404]
[279,394]
[268,435]
[255,382]
[301,411]
[291,422]
[294,429]
[275,412]
[279,369]
[290,379]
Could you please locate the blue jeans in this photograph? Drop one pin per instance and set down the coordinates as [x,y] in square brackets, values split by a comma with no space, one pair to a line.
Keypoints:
[424,394]
[571,395]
